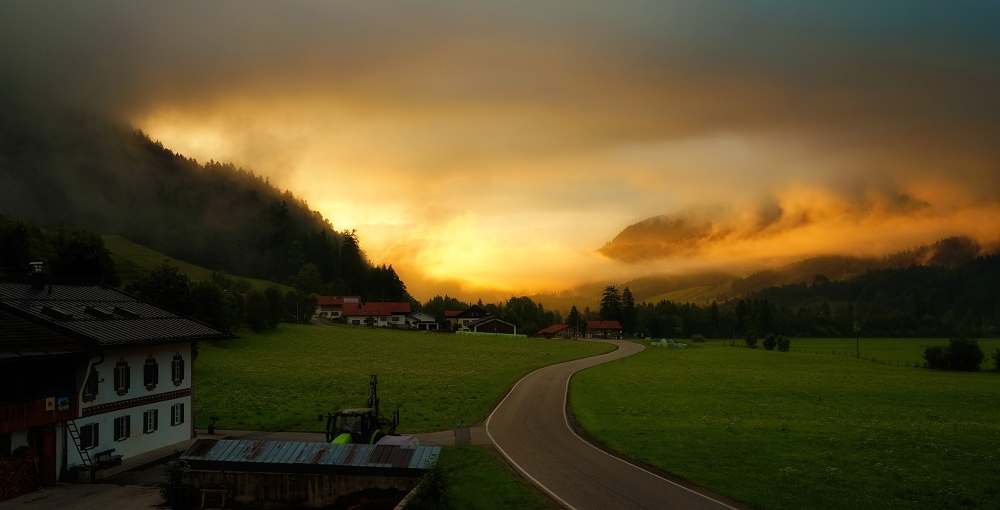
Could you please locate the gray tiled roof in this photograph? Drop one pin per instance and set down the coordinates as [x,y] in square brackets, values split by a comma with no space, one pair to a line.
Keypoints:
[116,319]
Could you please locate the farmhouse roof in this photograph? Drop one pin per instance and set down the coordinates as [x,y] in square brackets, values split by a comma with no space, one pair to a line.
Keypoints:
[603,325]
[98,316]
[22,339]
[555,328]
[335,300]
[452,313]
[473,311]
[376,308]
[484,320]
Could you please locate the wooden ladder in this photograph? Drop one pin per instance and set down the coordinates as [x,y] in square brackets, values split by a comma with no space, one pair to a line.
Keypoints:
[75,434]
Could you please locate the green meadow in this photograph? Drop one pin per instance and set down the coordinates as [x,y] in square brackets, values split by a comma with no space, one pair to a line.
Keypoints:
[284,379]
[797,431]
[901,351]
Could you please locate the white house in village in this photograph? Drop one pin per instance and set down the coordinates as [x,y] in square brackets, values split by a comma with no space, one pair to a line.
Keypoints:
[378,314]
[421,321]
[92,376]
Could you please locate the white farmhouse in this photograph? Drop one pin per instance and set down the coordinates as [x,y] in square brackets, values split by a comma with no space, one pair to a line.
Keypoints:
[93,375]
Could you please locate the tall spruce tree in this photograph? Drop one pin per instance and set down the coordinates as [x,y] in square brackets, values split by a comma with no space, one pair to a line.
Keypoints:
[611,304]
[628,314]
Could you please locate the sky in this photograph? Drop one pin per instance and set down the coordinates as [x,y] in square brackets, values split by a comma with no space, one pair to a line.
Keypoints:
[488,148]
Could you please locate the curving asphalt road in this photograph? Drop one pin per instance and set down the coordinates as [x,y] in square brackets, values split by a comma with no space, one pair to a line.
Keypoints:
[531,430]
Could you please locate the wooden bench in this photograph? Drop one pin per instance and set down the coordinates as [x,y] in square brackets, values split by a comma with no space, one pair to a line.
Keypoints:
[105,459]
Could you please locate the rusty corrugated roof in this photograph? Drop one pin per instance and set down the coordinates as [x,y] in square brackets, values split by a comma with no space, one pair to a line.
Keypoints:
[293,456]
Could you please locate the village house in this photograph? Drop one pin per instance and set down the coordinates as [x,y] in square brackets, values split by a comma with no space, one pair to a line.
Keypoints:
[378,314]
[422,321]
[464,318]
[491,324]
[557,331]
[603,329]
[332,307]
[92,376]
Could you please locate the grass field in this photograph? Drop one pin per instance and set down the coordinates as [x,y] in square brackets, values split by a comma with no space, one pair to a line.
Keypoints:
[797,431]
[283,379]
[134,260]
[479,481]
[902,351]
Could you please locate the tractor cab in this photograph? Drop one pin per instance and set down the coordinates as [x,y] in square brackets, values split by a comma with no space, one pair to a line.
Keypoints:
[362,425]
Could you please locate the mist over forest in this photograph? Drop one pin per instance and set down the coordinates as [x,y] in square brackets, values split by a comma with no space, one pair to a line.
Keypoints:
[76,170]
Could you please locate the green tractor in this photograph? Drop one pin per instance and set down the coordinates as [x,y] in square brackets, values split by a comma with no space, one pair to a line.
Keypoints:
[360,426]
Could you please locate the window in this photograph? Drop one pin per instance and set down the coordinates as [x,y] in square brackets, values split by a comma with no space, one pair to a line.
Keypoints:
[177,414]
[150,421]
[89,435]
[395,318]
[177,369]
[90,387]
[122,377]
[150,373]
[123,427]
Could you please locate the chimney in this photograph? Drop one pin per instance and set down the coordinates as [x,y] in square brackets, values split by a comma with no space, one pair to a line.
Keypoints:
[37,275]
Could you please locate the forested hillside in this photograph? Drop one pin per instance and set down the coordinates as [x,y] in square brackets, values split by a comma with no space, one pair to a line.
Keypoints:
[914,301]
[84,172]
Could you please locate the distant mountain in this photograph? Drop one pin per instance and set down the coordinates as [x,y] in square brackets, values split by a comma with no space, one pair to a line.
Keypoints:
[703,288]
[87,172]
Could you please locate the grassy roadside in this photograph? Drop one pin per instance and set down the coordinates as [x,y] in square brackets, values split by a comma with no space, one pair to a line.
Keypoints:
[480,481]
[790,430]
[283,379]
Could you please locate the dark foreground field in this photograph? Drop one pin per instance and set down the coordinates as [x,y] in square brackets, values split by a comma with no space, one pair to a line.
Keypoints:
[796,431]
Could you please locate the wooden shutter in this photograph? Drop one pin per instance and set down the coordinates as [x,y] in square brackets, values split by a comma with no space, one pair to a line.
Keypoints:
[173,414]
[180,410]
[86,436]
[156,419]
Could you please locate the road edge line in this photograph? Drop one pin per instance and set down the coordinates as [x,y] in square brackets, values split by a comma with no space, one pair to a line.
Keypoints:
[568,426]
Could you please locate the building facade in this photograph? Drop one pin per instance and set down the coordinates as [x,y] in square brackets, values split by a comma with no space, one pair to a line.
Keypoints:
[92,376]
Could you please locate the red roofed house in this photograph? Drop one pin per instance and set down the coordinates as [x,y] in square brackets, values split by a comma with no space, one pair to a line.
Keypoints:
[603,329]
[557,331]
[333,306]
[377,314]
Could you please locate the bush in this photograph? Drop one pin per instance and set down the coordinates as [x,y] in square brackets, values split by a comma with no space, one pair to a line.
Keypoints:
[770,341]
[432,491]
[936,357]
[173,473]
[751,340]
[996,359]
[961,354]
[784,344]
[964,354]
[697,338]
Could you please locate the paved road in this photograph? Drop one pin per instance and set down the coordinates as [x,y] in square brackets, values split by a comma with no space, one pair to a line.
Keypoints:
[531,429]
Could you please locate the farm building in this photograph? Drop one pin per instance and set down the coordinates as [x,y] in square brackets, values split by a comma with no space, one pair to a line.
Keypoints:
[421,321]
[333,306]
[378,314]
[557,331]
[603,329]
[466,317]
[91,376]
[491,324]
